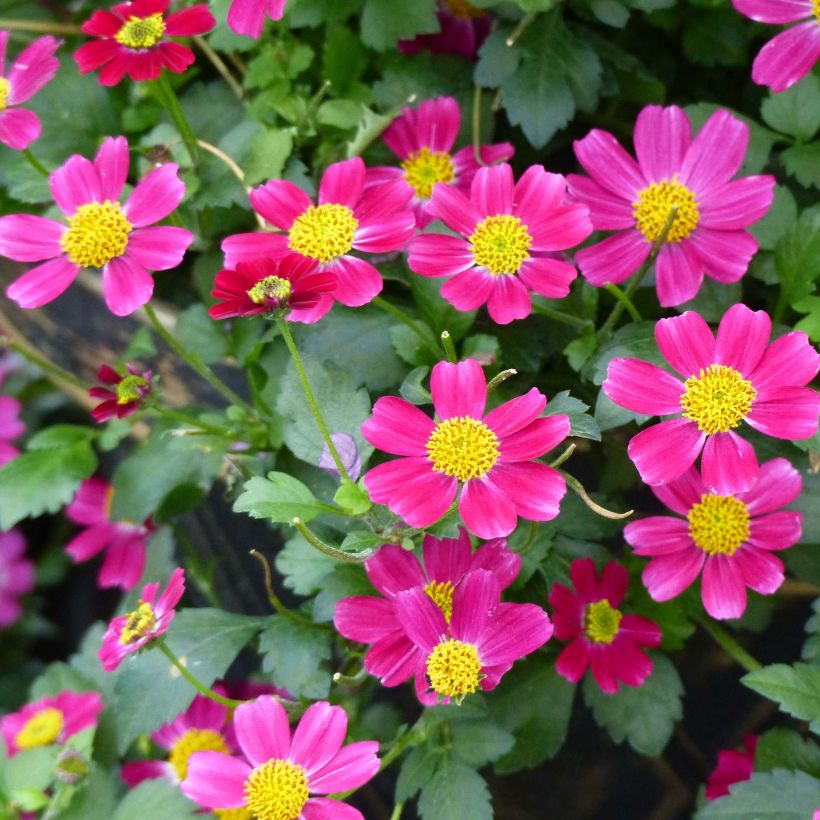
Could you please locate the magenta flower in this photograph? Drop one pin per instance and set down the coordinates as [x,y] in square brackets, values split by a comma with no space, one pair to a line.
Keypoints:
[123,395]
[423,138]
[35,67]
[463,29]
[729,537]
[50,720]
[602,637]
[508,233]
[491,457]
[707,235]
[11,427]
[284,771]
[123,541]
[17,576]
[130,633]
[732,378]
[248,16]
[733,767]
[101,232]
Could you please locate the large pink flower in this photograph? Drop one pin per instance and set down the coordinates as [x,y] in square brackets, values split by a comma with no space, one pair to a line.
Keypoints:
[508,235]
[101,232]
[35,66]
[284,771]
[735,377]
[11,427]
[347,218]
[248,16]
[732,767]
[602,637]
[707,236]
[491,457]
[16,576]
[463,29]
[729,537]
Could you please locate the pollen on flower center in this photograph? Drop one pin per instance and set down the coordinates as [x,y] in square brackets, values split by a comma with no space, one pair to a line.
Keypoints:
[424,168]
[441,593]
[815,8]
[500,244]
[141,32]
[654,205]
[41,729]
[454,668]
[463,10]
[601,621]
[195,740]
[323,232]
[463,447]
[233,814]
[97,233]
[719,524]
[5,88]
[270,289]
[138,623]
[277,790]
[130,389]
[718,399]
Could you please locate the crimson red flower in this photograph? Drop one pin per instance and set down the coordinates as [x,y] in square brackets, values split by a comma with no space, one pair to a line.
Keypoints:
[124,394]
[733,767]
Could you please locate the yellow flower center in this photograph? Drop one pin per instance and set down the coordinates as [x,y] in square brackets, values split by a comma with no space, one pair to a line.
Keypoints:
[441,593]
[41,730]
[601,621]
[719,524]
[138,623]
[128,389]
[277,790]
[323,232]
[5,87]
[424,168]
[500,244]
[195,740]
[233,814]
[271,288]
[463,447]
[141,32]
[97,233]
[815,9]
[454,669]
[654,205]
[462,9]
[718,399]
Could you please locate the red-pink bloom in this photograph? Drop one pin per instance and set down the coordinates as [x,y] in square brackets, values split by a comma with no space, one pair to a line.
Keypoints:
[35,66]
[248,16]
[729,537]
[423,138]
[346,218]
[134,40]
[491,457]
[393,657]
[508,235]
[152,617]
[124,394]
[11,426]
[463,29]
[284,771]
[735,377]
[708,235]
[16,576]
[123,541]
[602,637]
[733,767]
[101,232]
[50,720]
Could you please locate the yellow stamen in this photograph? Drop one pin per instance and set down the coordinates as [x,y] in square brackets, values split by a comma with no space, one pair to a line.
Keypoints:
[277,790]
[233,814]
[718,399]
[97,233]
[128,389]
[41,729]
[454,669]
[441,593]
[270,289]
[141,32]
[463,10]
[654,204]
[719,524]
[500,244]
[5,88]
[463,447]
[815,8]
[138,623]
[195,740]
[323,232]
[424,168]
[602,621]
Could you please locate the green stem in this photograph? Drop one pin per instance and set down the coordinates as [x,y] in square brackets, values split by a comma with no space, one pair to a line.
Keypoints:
[729,644]
[397,313]
[333,552]
[39,26]
[46,365]
[522,26]
[558,316]
[563,457]
[397,810]
[35,163]
[576,485]
[500,378]
[197,684]
[477,125]
[625,300]
[274,599]
[182,418]
[412,737]
[169,100]
[449,347]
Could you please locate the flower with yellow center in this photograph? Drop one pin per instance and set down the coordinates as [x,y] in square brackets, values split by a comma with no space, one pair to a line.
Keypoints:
[719,524]
[277,790]
[601,621]
[129,388]
[195,740]
[5,88]
[454,669]
[653,208]
[323,232]
[97,233]
[441,593]
[500,244]
[462,447]
[138,623]
[718,399]
[42,729]
[424,168]
[233,814]
[271,288]
[141,32]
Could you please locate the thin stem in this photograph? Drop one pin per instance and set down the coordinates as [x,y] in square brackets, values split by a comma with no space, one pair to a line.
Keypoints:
[449,347]
[397,810]
[168,97]
[558,316]
[183,418]
[625,300]
[46,365]
[397,313]
[39,26]
[412,737]
[35,163]
[333,552]
[520,29]
[195,682]
[729,644]
[274,599]
[501,377]
[596,508]
[563,457]
[477,125]
[217,62]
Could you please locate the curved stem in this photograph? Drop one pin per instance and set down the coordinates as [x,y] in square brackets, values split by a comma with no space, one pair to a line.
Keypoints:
[729,644]
[500,378]
[195,682]
[183,418]
[596,508]
[397,313]
[522,26]
[625,300]
[558,316]
[333,552]
[35,163]
[46,365]
[168,98]
[217,62]
[564,456]
[275,602]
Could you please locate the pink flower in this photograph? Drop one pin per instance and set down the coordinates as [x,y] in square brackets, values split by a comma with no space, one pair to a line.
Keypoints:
[423,138]
[463,30]
[791,54]
[11,426]
[707,236]
[732,378]
[101,232]
[601,636]
[50,720]
[16,576]
[134,40]
[733,767]
[124,394]
[509,233]
[729,537]
[393,658]
[35,67]
[130,633]
[248,16]
[346,218]
[491,457]
[123,541]
[348,452]
[284,771]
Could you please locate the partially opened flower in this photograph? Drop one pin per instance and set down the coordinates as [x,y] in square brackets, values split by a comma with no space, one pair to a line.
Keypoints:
[284,773]
[99,231]
[489,457]
[735,377]
[602,638]
[35,66]
[674,173]
[732,767]
[16,576]
[464,28]
[152,617]
[11,427]
[123,395]
[248,16]
[508,235]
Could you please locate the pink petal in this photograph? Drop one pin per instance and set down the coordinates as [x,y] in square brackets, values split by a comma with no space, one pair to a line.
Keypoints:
[190,21]
[350,768]
[159,248]
[682,493]
[262,730]
[35,66]
[775,531]
[607,211]
[640,630]
[342,183]
[468,290]
[573,661]
[454,209]
[216,780]
[90,504]
[613,583]
[248,17]
[678,273]
[658,535]
[662,137]
[19,128]
[774,11]
[664,451]
[517,630]
[384,233]
[729,464]
[738,203]
[603,158]
[788,57]
[135,772]
[43,284]
[127,286]
[788,361]
[516,414]
[486,509]
[246,247]
[585,579]
[393,659]
[492,190]
[364,618]
[458,389]
[786,412]
[398,427]
[716,153]
[725,255]
[538,193]
[448,559]
[495,557]
[112,162]
[642,387]
[563,227]
[423,621]
[393,569]
[29,238]
[549,277]
[760,570]
[778,484]
[90,542]
[433,254]
[436,124]
[124,562]
[319,736]
[75,183]
[667,576]
[631,666]
[602,665]
[614,259]
[686,342]
[535,439]
[156,195]
[280,202]
[723,589]
[357,281]
[325,808]
[742,338]
[508,300]
[474,601]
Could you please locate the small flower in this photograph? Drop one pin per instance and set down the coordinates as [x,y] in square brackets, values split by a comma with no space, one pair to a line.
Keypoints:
[130,633]
[124,395]
[35,67]
[16,576]
[248,16]
[733,767]
[735,377]
[11,427]
[509,233]
[123,541]
[348,452]
[708,235]
[284,772]
[463,29]
[603,638]
[134,40]
[491,457]
[50,720]
[101,232]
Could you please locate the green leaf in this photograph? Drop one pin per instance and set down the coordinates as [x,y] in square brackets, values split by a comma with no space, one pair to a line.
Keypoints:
[811,649]
[412,389]
[297,656]
[480,741]
[417,770]
[279,498]
[198,331]
[455,792]
[267,156]
[803,163]
[797,256]
[779,218]
[353,498]
[497,61]
[582,425]
[344,58]
[785,749]
[345,581]
[155,798]
[318,12]
[715,37]
[796,689]
[383,22]
[95,799]
[796,111]
[303,567]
